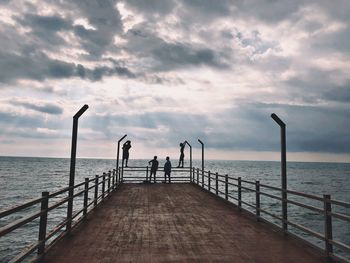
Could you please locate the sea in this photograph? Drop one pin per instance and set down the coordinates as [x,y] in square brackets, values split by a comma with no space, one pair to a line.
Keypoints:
[24,178]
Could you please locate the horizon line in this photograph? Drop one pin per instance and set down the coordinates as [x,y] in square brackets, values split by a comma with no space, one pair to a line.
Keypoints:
[209,159]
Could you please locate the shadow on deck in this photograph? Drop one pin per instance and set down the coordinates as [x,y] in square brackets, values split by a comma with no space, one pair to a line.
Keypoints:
[175,223]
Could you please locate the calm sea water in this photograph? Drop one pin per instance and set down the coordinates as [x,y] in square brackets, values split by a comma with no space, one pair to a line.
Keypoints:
[22,179]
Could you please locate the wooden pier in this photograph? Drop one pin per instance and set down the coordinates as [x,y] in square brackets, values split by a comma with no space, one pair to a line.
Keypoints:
[175,223]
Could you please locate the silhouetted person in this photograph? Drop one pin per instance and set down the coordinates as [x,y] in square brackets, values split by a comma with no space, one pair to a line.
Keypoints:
[126,148]
[154,168]
[167,169]
[182,155]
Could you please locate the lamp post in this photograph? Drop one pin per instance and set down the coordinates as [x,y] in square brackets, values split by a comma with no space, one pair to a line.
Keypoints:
[72,165]
[190,158]
[117,161]
[283,169]
[202,155]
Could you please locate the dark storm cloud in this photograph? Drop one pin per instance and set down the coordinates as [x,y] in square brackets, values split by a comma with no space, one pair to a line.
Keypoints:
[38,66]
[167,56]
[11,119]
[35,66]
[152,7]
[340,94]
[16,125]
[316,84]
[331,41]
[46,108]
[47,23]
[103,16]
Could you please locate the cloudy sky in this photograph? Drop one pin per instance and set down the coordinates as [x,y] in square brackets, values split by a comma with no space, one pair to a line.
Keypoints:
[163,71]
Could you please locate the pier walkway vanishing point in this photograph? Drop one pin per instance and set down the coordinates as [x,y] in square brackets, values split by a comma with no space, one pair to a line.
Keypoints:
[175,223]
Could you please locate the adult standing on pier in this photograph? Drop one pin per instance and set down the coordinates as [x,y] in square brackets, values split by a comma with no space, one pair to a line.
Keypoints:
[182,155]
[154,168]
[126,147]
[167,169]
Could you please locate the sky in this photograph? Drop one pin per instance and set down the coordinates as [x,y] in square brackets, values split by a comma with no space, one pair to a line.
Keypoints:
[165,71]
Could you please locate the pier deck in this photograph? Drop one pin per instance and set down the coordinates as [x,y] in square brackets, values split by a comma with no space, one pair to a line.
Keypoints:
[175,223]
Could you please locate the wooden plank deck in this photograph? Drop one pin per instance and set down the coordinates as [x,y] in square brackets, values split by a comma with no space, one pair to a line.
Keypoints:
[175,223]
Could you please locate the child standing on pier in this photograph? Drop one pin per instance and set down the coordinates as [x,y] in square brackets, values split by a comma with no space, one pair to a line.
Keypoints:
[167,169]
[154,168]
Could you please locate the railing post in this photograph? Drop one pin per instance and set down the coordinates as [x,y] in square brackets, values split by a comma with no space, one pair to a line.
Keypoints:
[202,180]
[122,177]
[257,200]
[119,175]
[209,180]
[109,181]
[197,176]
[86,196]
[96,190]
[103,185]
[239,193]
[113,179]
[216,183]
[147,171]
[43,223]
[226,186]
[328,224]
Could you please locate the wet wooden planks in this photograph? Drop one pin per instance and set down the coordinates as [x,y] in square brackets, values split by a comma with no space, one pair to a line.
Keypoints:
[175,223]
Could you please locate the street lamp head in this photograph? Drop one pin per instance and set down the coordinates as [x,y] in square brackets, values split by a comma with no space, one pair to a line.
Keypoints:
[278,120]
[81,111]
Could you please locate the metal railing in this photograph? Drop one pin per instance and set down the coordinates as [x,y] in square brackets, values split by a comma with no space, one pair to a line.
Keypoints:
[140,174]
[231,189]
[94,190]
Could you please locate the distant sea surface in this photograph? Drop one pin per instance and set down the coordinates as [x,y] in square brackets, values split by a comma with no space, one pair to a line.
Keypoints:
[24,178]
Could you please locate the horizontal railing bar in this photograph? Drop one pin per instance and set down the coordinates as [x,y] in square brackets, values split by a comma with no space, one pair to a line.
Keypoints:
[232,184]
[91,187]
[271,187]
[340,244]
[248,182]
[271,196]
[56,229]
[20,207]
[18,223]
[58,192]
[79,193]
[248,189]
[250,205]
[233,197]
[137,167]
[321,211]
[158,176]
[271,214]
[57,204]
[305,229]
[305,195]
[222,181]
[25,253]
[340,203]
[340,216]
[221,192]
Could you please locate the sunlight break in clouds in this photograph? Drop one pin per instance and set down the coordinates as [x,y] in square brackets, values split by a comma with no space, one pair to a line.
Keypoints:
[166,71]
